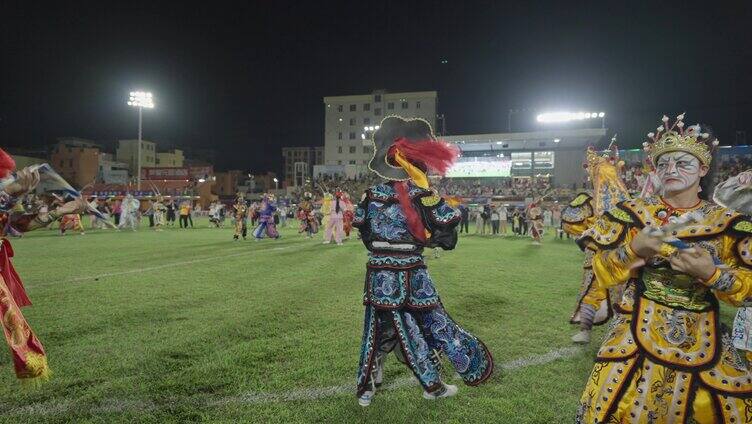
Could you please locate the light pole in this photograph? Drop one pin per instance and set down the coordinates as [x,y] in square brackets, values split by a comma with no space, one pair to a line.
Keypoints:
[141,100]
[276,183]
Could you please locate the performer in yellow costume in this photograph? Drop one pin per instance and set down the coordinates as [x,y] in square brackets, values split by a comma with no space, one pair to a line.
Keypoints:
[665,358]
[241,212]
[594,304]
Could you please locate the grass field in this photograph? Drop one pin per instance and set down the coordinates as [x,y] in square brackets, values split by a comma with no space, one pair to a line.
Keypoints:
[189,326]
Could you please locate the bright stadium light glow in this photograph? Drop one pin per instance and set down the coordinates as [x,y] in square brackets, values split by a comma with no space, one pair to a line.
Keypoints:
[556,140]
[141,99]
[553,117]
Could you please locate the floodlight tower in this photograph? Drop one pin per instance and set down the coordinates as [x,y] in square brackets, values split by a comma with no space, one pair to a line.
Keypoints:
[140,100]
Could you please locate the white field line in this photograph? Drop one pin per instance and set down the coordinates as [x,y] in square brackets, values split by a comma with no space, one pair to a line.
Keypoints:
[110,406]
[163,266]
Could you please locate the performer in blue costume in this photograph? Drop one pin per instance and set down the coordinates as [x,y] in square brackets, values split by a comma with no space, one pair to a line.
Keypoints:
[397,220]
[266,225]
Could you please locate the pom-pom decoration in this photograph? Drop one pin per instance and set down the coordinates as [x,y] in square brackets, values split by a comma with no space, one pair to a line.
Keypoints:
[7,164]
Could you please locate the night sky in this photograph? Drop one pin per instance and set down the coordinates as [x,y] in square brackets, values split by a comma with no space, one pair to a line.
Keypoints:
[247,80]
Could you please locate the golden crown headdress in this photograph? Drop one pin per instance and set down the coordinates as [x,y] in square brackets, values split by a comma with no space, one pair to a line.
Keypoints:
[677,139]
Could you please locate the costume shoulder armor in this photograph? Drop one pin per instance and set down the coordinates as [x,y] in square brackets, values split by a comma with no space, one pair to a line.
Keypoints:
[605,233]
[578,210]
[715,220]
[621,215]
[580,200]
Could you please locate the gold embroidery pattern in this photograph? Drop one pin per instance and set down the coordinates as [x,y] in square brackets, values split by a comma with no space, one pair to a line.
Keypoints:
[662,391]
[677,327]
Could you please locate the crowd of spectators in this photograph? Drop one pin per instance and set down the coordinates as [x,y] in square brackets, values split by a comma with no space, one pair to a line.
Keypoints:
[494,187]
[506,188]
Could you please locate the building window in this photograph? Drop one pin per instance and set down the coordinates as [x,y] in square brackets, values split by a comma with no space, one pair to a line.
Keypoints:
[339,136]
[353,108]
[377,111]
[339,162]
[366,107]
[404,105]
[365,162]
[339,108]
[366,121]
[366,149]
[377,98]
[352,136]
[352,162]
[417,105]
[352,149]
[390,106]
[339,149]
[352,121]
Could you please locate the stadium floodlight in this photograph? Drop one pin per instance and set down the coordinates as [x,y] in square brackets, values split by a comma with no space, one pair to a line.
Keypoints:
[556,140]
[558,117]
[141,100]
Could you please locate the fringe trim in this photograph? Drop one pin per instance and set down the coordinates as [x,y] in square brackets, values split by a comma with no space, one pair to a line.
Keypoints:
[37,370]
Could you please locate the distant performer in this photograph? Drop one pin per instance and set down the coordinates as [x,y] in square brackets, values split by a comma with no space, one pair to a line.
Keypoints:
[397,220]
[266,227]
[159,213]
[241,217]
[129,212]
[308,223]
[335,223]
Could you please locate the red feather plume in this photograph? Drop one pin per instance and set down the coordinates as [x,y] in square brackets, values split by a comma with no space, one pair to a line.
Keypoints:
[435,156]
[7,164]
[432,156]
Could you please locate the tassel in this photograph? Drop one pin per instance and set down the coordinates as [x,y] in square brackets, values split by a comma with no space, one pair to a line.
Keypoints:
[414,222]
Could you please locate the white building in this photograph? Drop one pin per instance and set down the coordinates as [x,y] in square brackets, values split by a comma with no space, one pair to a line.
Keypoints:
[127,152]
[346,118]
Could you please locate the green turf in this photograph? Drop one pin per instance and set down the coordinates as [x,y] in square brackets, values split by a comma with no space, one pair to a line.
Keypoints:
[198,342]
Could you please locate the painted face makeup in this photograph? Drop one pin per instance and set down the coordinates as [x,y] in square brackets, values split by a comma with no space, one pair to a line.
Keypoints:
[677,171]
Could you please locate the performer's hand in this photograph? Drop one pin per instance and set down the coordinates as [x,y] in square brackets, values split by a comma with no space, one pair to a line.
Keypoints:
[74,206]
[695,262]
[647,243]
[26,180]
